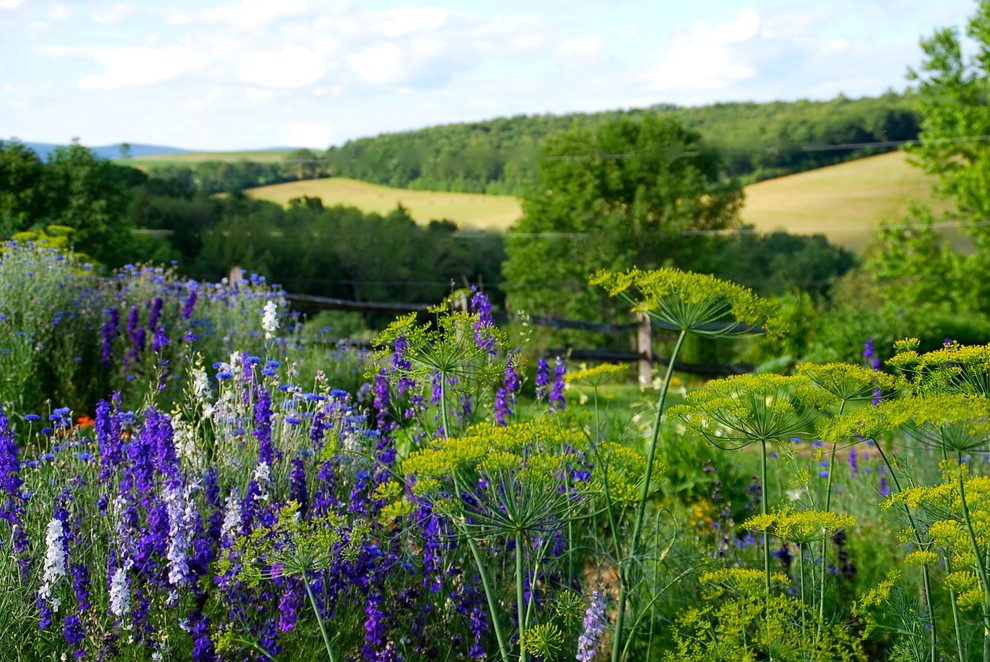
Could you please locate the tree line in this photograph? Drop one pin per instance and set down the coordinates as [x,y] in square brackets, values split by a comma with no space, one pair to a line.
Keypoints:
[758,141]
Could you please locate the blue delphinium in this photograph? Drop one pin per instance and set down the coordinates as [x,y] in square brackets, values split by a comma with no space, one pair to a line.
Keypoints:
[595,622]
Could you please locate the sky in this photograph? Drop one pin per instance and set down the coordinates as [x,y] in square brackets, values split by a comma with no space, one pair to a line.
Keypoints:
[251,74]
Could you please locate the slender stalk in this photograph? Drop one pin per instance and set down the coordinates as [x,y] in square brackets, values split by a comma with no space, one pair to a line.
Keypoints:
[828,508]
[520,594]
[981,569]
[641,509]
[319,619]
[764,510]
[443,404]
[486,584]
[801,570]
[926,576]
[956,623]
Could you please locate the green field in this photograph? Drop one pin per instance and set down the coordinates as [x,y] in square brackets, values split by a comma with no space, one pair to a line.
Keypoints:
[192,158]
[845,202]
[469,210]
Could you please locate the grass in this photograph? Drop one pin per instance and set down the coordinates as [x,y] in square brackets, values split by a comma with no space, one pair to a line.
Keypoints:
[845,202]
[258,156]
[468,210]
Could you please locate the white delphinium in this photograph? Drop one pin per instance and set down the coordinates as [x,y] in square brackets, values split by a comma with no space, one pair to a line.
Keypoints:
[54,562]
[231,519]
[201,386]
[185,444]
[120,594]
[178,535]
[269,319]
[262,473]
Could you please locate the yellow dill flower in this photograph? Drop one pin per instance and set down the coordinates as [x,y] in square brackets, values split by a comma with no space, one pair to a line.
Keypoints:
[847,382]
[922,557]
[544,640]
[598,375]
[878,595]
[618,471]
[696,303]
[951,369]
[740,410]
[743,579]
[801,526]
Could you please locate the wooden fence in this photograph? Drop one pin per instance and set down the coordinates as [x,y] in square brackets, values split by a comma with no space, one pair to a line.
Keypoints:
[641,344]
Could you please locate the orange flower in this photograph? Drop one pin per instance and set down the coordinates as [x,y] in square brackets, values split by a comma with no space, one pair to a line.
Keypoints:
[84,422]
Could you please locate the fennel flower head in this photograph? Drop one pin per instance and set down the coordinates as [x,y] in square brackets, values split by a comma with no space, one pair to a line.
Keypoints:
[269,319]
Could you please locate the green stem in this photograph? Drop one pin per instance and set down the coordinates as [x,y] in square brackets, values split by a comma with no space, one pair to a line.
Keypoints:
[828,508]
[520,595]
[956,623]
[801,570]
[641,509]
[926,576]
[486,584]
[319,619]
[764,509]
[443,404]
[981,569]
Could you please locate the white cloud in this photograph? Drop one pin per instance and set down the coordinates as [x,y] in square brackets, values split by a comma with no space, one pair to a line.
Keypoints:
[586,46]
[309,135]
[255,13]
[59,13]
[140,65]
[112,14]
[258,95]
[293,66]
[408,20]
[10,4]
[707,56]
[381,64]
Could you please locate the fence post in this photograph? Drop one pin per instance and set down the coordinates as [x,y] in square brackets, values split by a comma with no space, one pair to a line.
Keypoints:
[236,275]
[644,347]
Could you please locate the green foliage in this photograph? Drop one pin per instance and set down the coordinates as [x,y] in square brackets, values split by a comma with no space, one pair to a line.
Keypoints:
[744,627]
[760,140]
[589,211]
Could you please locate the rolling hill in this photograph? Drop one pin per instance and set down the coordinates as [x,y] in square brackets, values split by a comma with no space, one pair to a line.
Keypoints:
[475,211]
[845,202]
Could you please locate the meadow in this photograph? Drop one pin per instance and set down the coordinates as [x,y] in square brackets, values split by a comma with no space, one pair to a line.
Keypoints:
[189,472]
[845,202]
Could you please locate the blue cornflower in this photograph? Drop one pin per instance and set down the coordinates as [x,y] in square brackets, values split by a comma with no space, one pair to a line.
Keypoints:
[31,418]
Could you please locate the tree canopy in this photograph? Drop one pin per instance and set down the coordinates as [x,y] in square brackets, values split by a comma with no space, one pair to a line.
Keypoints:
[640,193]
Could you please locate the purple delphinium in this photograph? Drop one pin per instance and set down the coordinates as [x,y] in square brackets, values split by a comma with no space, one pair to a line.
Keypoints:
[505,397]
[297,485]
[109,427]
[189,304]
[13,498]
[155,314]
[595,622]
[110,331]
[290,603]
[542,378]
[483,337]
[263,426]
[382,401]
[557,400]
[873,361]
[74,634]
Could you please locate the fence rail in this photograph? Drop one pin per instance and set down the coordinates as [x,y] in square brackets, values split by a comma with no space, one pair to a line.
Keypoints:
[642,353]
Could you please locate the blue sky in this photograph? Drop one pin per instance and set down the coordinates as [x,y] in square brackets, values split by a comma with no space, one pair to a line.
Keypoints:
[240,74]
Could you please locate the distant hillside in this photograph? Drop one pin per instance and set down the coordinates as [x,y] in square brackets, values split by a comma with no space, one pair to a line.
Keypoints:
[844,202]
[468,210]
[759,141]
[137,150]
